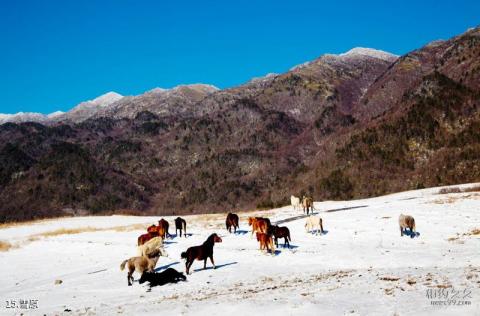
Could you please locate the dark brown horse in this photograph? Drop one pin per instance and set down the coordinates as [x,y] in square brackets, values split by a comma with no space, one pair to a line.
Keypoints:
[146,237]
[181,224]
[202,252]
[163,229]
[232,221]
[280,232]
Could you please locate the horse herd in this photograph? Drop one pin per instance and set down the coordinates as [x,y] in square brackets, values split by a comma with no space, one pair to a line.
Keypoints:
[150,245]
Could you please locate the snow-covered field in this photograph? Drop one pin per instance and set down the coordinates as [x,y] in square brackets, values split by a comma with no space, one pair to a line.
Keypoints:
[360,266]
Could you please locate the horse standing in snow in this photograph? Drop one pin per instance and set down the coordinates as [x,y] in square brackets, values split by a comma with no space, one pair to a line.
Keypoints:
[295,201]
[181,224]
[314,222]
[280,232]
[163,228]
[406,221]
[266,242]
[150,246]
[202,252]
[142,263]
[232,221]
[307,204]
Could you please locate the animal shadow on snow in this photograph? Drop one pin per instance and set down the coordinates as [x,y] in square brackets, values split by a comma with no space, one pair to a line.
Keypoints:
[241,232]
[411,234]
[168,242]
[178,235]
[157,269]
[317,232]
[287,247]
[217,267]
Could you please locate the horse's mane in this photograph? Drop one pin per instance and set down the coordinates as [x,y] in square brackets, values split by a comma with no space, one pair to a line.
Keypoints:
[209,240]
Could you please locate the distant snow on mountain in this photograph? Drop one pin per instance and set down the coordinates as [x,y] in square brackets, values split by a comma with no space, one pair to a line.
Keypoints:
[370,52]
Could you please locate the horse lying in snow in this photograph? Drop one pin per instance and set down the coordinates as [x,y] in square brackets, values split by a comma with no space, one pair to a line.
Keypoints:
[314,222]
[406,221]
[150,246]
[142,264]
[168,276]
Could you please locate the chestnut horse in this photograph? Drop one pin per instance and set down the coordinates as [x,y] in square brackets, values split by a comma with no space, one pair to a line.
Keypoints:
[181,224]
[146,237]
[259,224]
[280,232]
[266,242]
[232,221]
[201,252]
[163,228]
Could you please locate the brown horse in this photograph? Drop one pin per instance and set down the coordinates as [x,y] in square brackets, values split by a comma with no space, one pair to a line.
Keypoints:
[201,252]
[280,232]
[259,224]
[181,224]
[307,204]
[266,242]
[232,221]
[146,237]
[163,228]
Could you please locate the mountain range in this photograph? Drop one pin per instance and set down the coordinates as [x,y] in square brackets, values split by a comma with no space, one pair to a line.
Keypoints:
[358,124]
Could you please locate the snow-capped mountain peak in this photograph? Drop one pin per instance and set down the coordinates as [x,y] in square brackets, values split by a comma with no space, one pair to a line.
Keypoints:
[370,52]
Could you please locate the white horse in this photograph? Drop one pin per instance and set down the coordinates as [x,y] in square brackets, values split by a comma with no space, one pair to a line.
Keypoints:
[295,201]
[314,222]
[150,246]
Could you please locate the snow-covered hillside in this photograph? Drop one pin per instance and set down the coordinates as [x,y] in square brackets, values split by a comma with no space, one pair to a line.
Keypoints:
[360,266]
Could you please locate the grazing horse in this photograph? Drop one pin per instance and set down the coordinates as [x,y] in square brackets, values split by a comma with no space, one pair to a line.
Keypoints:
[232,221]
[307,203]
[202,252]
[181,224]
[280,232]
[163,228]
[259,224]
[142,263]
[266,242]
[295,201]
[168,276]
[312,222]
[406,221]
[146,237]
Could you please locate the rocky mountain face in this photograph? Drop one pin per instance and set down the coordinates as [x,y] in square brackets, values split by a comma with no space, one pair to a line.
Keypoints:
[353,125]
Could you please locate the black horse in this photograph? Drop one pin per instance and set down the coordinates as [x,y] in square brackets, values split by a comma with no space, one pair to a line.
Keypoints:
[202,252]
[168,276]
[181,224]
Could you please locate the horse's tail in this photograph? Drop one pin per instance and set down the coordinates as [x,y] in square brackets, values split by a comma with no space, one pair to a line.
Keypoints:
[122,266]
[183,255]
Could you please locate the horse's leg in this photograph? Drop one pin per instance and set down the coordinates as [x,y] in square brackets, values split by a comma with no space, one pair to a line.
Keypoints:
[205,264]
[213,263]
[401,231]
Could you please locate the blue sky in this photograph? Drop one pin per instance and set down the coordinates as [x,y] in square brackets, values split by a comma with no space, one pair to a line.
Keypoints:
[55,54]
